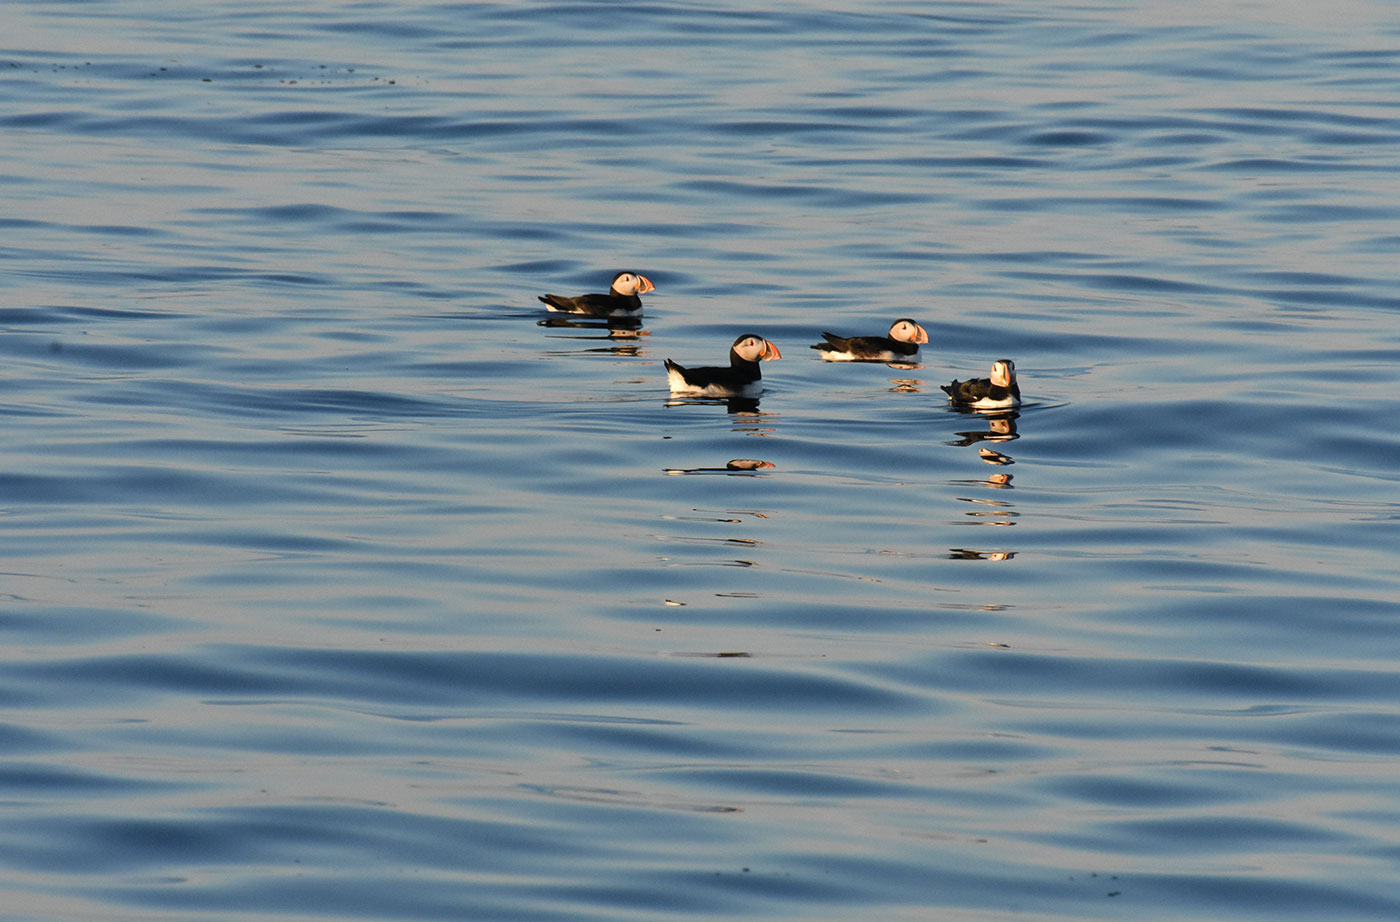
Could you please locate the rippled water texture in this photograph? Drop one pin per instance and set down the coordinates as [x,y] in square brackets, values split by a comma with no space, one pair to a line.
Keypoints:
[339,582]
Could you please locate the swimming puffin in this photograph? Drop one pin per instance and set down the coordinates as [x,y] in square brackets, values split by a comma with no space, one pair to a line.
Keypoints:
[621,300]
[741,379]
[902,345]
[995,393]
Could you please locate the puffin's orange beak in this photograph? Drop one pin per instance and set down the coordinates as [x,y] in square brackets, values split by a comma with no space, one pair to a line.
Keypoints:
[921,335]
[770,352]
[646,285]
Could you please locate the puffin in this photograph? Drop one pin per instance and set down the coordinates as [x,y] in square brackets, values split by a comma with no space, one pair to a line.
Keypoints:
[741,379]
[998,392]
[621,300]
[901,345]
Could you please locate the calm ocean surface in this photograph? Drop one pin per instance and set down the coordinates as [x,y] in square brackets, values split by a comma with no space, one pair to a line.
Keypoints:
[336,585]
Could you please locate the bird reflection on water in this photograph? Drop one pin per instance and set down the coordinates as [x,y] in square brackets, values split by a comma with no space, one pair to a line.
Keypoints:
[1001,430]
[994,457]
[743,407]
[617,327]
[1001,427]
[737,466]
[625,332]
[963,553]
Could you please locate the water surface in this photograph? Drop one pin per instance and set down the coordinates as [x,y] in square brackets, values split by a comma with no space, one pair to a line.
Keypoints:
[338,585]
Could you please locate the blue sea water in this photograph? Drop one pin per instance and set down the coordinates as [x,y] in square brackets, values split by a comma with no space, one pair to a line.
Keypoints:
[338,583]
